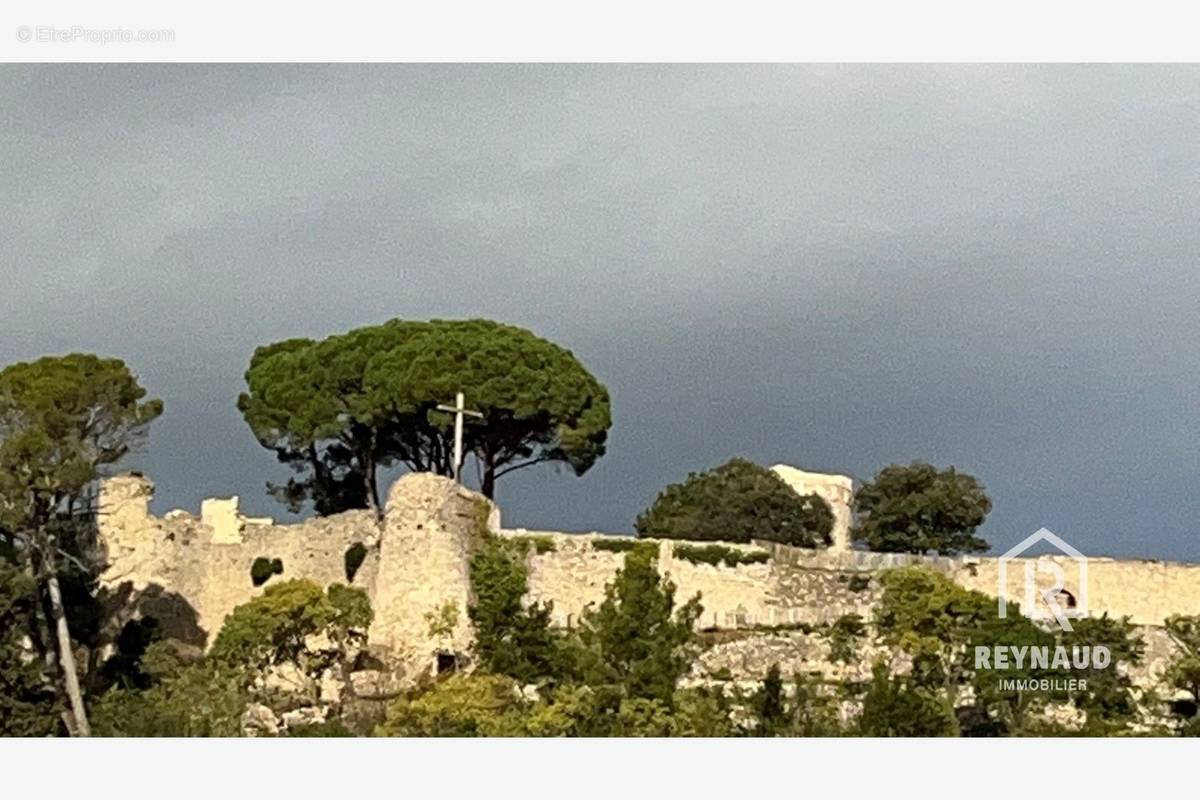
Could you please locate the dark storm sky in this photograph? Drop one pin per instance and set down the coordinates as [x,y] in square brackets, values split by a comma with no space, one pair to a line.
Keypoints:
[996,268]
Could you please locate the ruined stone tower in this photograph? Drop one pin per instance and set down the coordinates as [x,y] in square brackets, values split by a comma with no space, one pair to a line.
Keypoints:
[837,490]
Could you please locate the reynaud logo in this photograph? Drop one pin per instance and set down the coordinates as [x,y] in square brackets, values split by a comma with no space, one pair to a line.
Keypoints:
[1059,658]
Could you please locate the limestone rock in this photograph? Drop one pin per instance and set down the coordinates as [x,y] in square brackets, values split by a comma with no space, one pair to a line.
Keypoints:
[330,687]
[258,720]
[320,643]
[372,684]
[287,686]
[310,715]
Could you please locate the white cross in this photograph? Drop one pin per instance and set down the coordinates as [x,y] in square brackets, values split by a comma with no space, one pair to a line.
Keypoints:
[458,410]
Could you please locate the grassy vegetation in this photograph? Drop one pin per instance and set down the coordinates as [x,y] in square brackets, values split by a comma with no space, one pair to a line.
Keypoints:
[716,555]
[538,544]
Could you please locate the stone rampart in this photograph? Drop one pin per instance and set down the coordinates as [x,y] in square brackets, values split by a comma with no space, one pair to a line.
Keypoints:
[190,572]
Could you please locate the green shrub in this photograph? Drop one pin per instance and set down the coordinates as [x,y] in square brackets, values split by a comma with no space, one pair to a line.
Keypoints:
[27,702]
[858,583]
[351,608]
[538,544]
[272,628]
[901,707]
[263,569]
[636,642]
[716,555]
[462,705]
[511,638]
[356,554]
[196,700]
[324,730]
[614,544]
[843,635]
[624,544]
[737,502]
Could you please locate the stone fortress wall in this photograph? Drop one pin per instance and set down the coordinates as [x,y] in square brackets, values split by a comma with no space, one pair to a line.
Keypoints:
[190,572]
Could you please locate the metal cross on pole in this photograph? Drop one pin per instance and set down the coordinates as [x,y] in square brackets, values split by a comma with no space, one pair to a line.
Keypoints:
[459,410]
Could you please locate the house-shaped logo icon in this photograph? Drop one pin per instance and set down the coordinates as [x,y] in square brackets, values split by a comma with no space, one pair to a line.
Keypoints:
[1075,605]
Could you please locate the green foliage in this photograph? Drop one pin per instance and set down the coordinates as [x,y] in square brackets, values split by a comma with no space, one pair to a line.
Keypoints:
[843,637]
[195,700]
[510,638]
[813,710]
[339,409]
[932,618]
[62,419]
[27,702]
[573,710]
[351,609]
[633,643]
[462,705]
[903,707]
[715,555]
[538,544]
[737,502]
[480,704]
[263,569]
[621,544]
[858,583]
[332,729]
[356,554]
[209,698]
[919,509]
[810,710]
[940,624]
[272,628]
[1183,675]
[63,422]
[703,712]
[443,621]
[1108,700]
[769,711]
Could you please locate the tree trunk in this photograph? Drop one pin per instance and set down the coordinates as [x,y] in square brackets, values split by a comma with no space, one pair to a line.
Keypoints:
[488,484]
[373,487]
[66,658]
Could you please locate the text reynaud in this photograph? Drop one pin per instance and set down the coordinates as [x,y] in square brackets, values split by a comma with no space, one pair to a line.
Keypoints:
[1060,657]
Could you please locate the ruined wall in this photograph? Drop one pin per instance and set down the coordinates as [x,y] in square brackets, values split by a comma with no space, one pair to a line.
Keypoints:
[771,594]
[1146,591]
[798,585]
[836,490]
[780,612]
[190,572]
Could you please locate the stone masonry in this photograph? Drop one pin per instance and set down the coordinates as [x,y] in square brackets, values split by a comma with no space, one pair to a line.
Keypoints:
[190,572]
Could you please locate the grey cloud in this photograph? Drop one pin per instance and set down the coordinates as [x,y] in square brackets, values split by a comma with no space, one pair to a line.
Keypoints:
[835,266]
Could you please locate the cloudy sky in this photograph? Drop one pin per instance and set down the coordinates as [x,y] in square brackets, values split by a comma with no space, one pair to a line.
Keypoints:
[996,268]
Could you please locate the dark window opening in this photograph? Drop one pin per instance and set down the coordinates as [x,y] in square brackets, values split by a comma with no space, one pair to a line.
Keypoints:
[447,663]
[1184,708]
